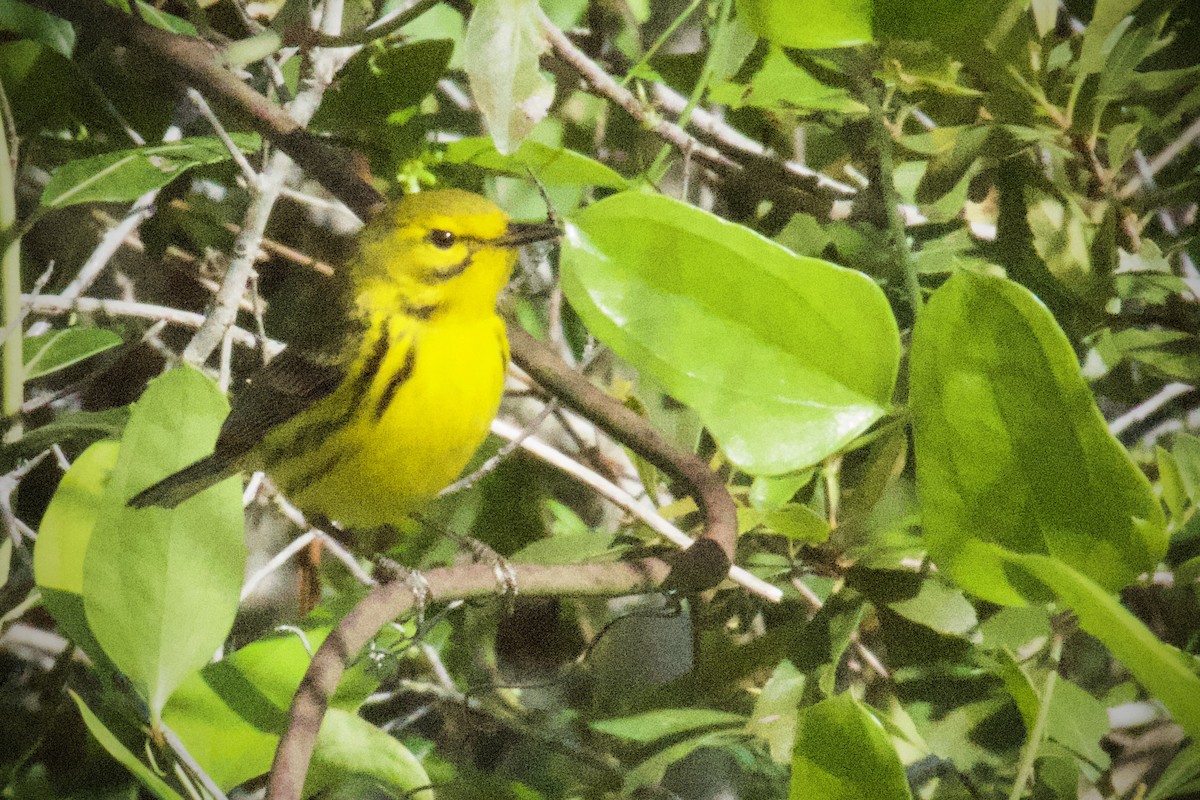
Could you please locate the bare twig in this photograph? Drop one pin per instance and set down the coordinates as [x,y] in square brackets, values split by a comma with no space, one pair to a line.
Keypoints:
[642,510]
[1162,158]
[1148,407]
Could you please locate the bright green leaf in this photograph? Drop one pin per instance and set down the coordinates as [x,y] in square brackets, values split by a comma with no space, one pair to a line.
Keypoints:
[785,359]
[125,175]
[568,548]
[352,751]
[161,586]
[939,607]
[1011,449]
[809,24]
[1078,721]
[654,725]
[60,349]
[230,714]
[148,777]
[503,42]
[63,538]
[842,752]
[551,165]
[798,523]
[1186,451]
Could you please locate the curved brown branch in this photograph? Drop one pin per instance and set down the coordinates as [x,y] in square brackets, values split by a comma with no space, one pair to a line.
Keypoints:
[390,600]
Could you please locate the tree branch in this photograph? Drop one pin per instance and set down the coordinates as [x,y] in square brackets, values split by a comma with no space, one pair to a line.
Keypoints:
[388,601]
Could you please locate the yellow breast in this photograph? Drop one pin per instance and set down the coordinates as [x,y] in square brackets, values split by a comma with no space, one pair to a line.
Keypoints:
[424,398]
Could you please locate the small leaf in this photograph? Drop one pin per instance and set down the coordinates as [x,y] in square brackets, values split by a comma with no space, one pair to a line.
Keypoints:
[775,710]
[654,725]
[939,607]
[63,538]
[798,523]
[809,24]
[125,175]
[503,43]
[554,166]
[60,349]
[161,586]
[122,754]
[785,359]
[568,548]
[1011,449]
[842,751]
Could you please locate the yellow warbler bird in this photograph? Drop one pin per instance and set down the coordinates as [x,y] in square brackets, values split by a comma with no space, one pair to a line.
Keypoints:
[365,429]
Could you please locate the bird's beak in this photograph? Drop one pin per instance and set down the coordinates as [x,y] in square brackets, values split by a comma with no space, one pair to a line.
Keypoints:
[520,234]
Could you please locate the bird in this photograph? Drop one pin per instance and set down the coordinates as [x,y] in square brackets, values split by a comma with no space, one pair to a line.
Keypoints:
[365,426]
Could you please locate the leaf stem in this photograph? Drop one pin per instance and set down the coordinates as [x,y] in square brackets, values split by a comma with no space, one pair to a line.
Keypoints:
[1034,743]
[13,390]
[881,142]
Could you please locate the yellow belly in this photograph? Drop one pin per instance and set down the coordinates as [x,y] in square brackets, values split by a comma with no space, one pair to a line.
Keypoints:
[375,468]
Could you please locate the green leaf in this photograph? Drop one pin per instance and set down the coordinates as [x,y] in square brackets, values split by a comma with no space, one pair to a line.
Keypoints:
[63,539]
[798,523]
[161,586]
[1168,675]
[351,751]
[1011,449]
[231,713]
[780,85]
[1181,778]
[842,752]
[1014,628]
[939,607]
[378,82]
[554,166]
[125,175]
[1078,721]
[122,754]
[775,710]
[161,19]
[568,548]
[55,350]
[785,359]
[82,426]
[504,40]
[28,22]
[1186,451]
[809,24]
[654,725]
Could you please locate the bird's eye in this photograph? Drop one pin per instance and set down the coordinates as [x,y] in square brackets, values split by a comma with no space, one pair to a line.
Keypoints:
[440,239]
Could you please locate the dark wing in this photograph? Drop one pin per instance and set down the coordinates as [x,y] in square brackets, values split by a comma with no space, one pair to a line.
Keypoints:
[291,383]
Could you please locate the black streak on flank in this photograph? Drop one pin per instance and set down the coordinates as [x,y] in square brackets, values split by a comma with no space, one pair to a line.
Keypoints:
[423,313]
[402,375]
[435,276]
[370,367]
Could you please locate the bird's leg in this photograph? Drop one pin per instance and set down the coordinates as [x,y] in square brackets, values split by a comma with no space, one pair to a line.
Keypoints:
[506,574]
[386,571]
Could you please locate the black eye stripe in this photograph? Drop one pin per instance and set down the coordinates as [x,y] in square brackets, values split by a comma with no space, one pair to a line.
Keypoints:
[441,239]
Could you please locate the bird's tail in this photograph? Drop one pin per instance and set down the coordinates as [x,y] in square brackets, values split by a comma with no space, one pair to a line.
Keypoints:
[179,486]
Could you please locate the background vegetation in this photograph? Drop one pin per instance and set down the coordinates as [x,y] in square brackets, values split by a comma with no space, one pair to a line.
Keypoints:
[915,280]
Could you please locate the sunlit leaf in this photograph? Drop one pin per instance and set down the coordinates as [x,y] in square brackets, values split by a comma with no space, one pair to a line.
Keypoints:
[161,586]
[665,722]
[551,165]
[125,175]
[60,349]
[785,359]
[842,751]
[811,24]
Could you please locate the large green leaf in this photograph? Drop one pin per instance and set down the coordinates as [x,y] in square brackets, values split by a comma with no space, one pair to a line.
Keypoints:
[125,175]
[811,24]
[1011,449]
[786,359]
[161,586]
[842,752]
[504,40]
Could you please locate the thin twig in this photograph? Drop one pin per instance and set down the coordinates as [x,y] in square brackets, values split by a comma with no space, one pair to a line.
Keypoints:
[235,152]
[469,480]
[644,511]
[1145,409]
[277,561]
[56,304]
[1162,158]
